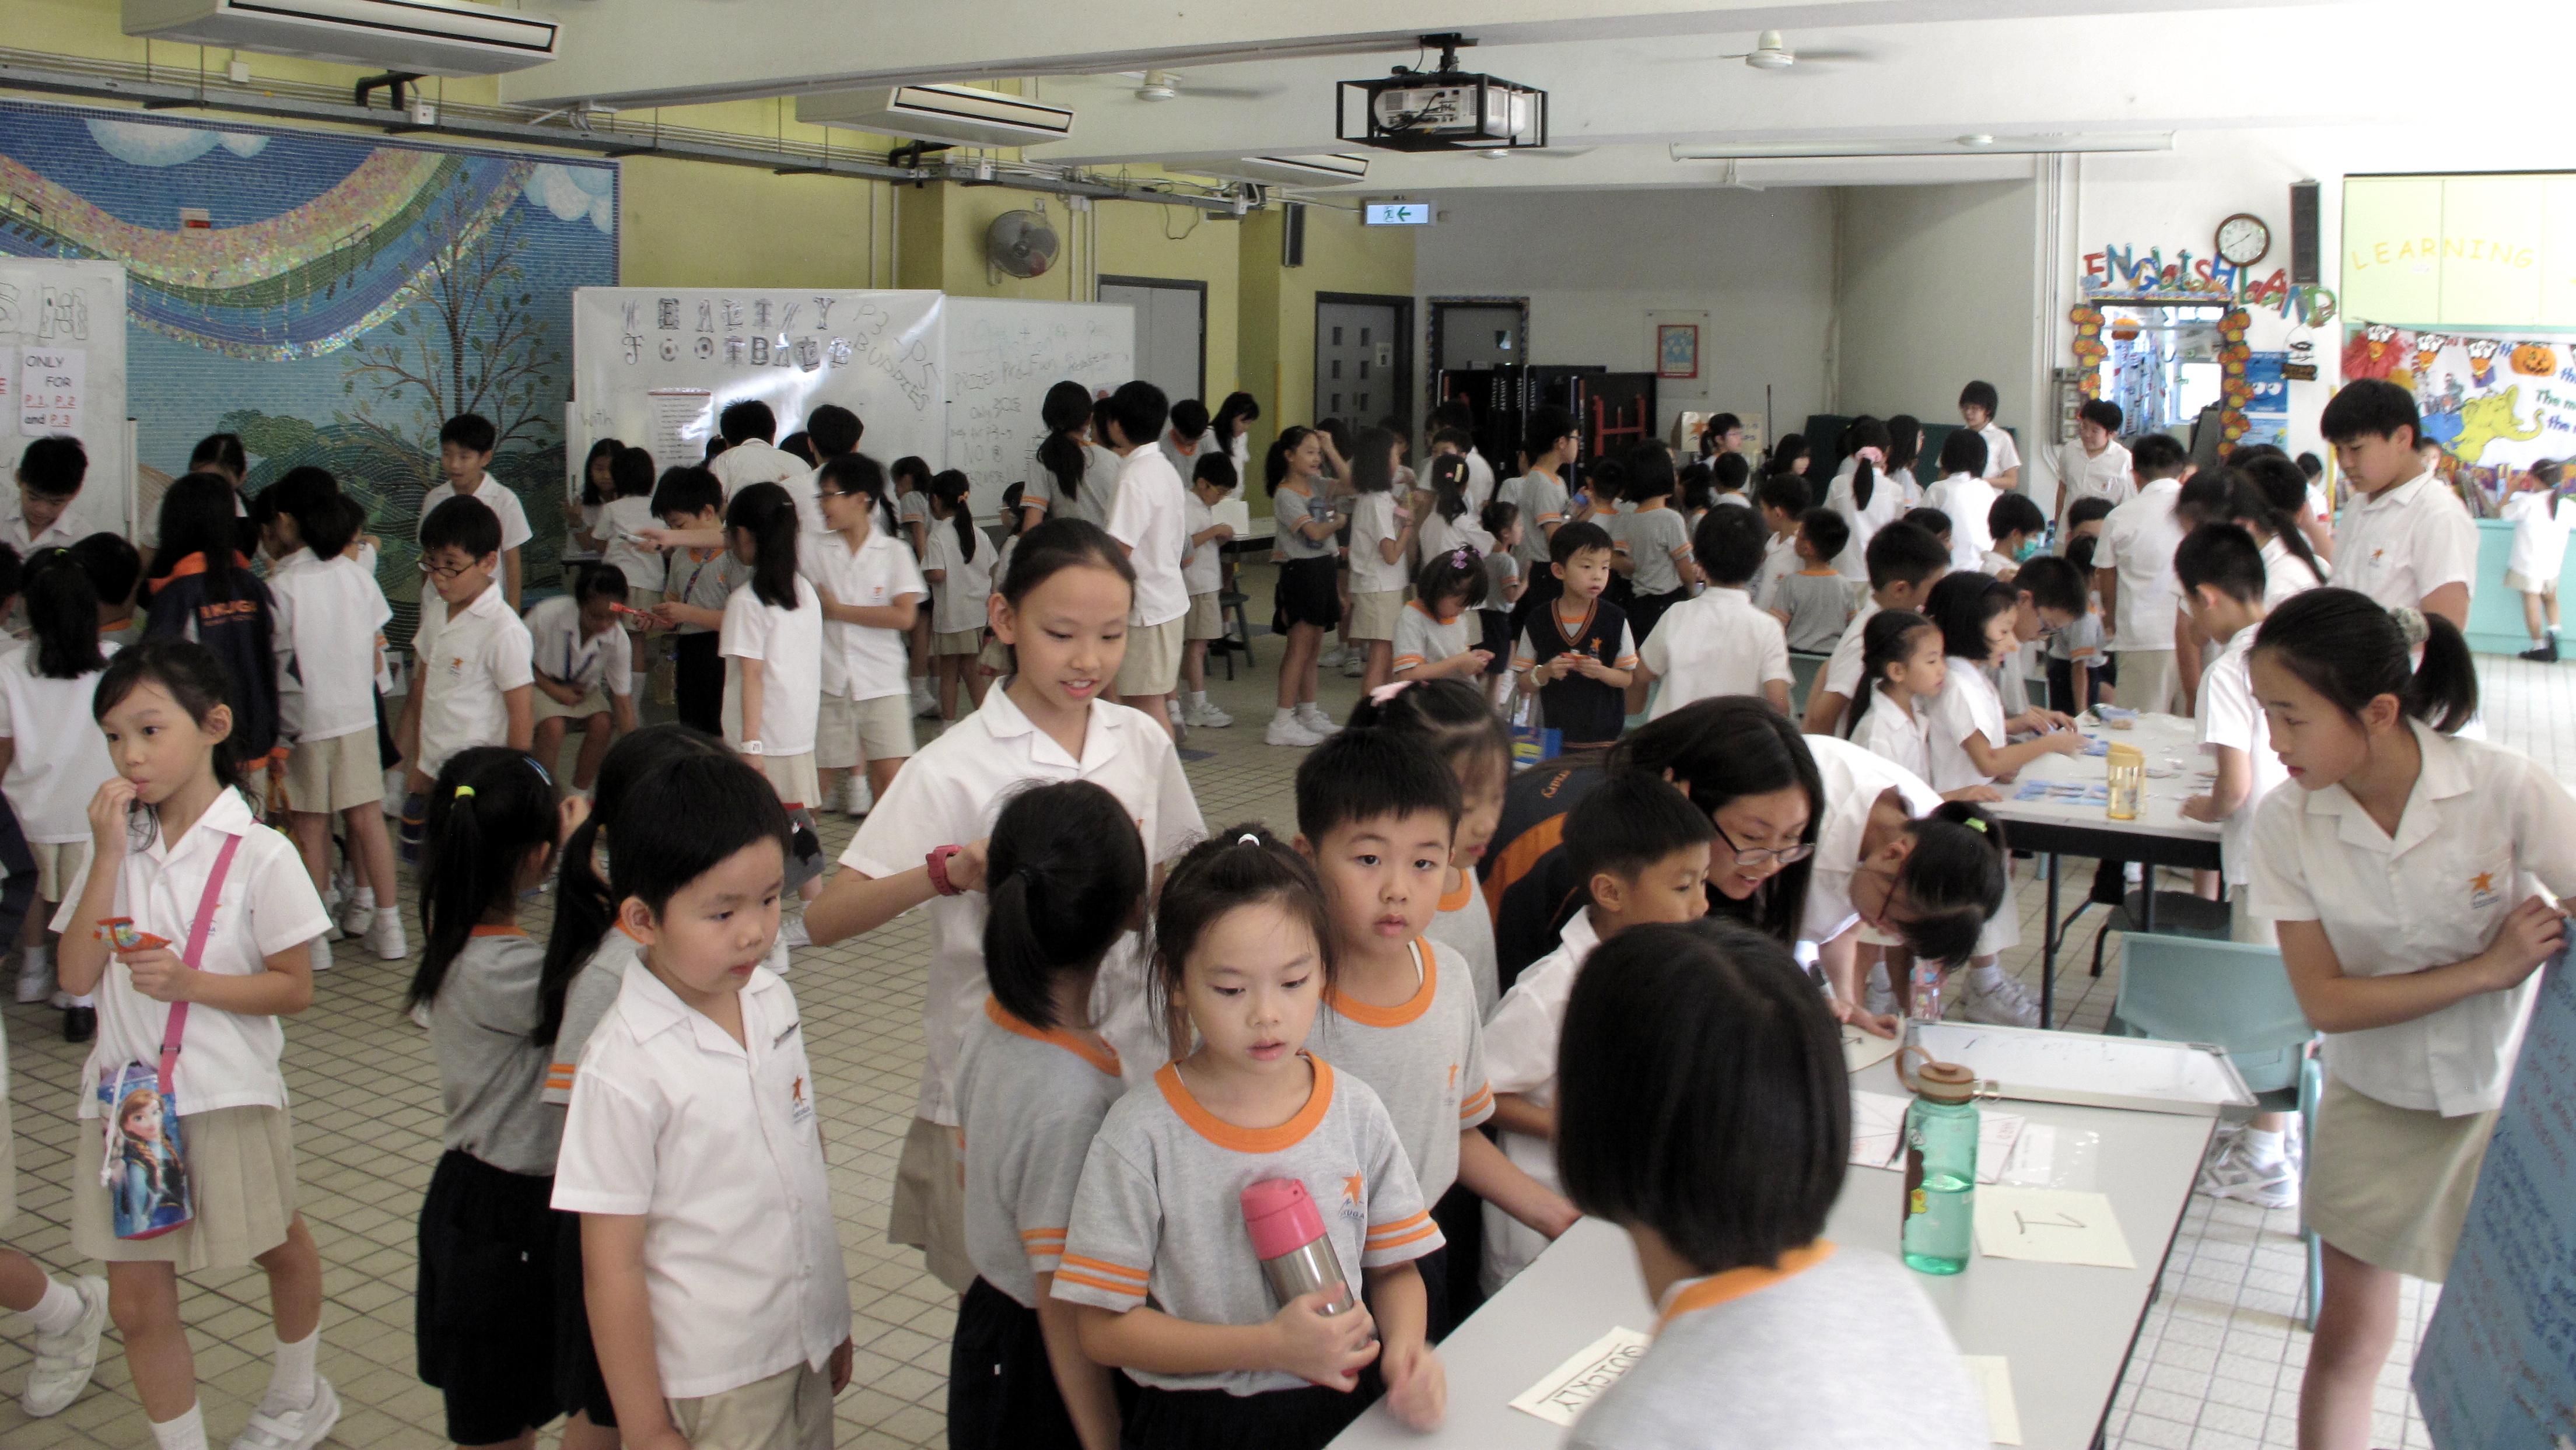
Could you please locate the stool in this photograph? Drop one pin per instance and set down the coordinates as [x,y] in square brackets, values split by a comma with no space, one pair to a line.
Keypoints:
[1238,630]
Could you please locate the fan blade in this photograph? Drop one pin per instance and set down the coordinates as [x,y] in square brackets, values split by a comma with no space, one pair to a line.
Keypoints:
[1230,93]
[1835,55]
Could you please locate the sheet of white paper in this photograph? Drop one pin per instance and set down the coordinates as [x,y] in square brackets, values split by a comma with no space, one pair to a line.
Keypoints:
[2034,1158]
[1993,1374]
[1878,1120]
[1562,1395]
[2051,1226]
[1864,1050]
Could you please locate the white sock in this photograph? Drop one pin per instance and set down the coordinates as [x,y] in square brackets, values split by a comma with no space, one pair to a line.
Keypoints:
[2263,1149]
[1986,978]
[1198,699]
[388,914]
[1286,712]
[86,999]
[188,1432]
[362,896]
[59,1310]
[290,1385]
[40,957]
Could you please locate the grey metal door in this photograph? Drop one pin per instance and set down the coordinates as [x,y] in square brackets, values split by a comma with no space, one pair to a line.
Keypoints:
[1357,378]
[1171,333]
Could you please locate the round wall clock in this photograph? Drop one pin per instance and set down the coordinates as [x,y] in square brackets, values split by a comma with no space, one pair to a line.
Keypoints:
[2243,239]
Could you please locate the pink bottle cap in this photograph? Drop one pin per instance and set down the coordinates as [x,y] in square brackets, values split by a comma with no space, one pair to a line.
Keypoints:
[1281,1218]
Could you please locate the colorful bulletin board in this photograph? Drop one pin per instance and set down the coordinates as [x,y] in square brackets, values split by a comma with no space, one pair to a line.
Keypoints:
[2496,402]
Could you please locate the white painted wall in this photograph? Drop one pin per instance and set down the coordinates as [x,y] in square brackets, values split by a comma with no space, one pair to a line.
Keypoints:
[1938,286]
[1594,265]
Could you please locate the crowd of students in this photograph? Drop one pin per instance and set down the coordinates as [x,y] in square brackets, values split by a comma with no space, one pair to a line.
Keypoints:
[1454,1008]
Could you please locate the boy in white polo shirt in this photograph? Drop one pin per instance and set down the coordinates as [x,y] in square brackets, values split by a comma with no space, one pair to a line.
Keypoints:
[1977,405]
[872,590]
[1717,644]
[473,665]
[465,444]
[49,479]
[2133,565]
[1147,521]
[2407,541]
[584,672]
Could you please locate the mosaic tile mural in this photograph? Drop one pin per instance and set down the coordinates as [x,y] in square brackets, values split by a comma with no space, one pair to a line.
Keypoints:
[330,298]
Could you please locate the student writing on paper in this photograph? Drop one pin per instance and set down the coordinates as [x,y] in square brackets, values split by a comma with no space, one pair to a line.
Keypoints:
[1703,1107]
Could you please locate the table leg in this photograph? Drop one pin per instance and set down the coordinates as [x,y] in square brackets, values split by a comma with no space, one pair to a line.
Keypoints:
[2147,908]
[2048,947]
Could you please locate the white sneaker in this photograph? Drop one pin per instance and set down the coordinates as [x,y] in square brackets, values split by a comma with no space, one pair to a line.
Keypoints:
[2000,1002]
[856,798]
[385,938]
[419,1016]
[1290,730]
[1330,657]
[1312,716]
[925,705]
[65,1361]
[1206,715]
[295,1429]
[2231,1172]
[358,915]
[35,980]
[1356,667]
[793,931]
[320,949]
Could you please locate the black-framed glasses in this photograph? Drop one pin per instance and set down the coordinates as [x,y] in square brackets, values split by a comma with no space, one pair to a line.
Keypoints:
[443,574]
[1785,856]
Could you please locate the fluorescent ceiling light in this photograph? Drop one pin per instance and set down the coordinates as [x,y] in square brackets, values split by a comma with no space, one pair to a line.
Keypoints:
[1969,145]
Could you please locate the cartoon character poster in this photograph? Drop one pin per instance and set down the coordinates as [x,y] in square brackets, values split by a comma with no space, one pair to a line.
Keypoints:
[2496,402]
[145,1168]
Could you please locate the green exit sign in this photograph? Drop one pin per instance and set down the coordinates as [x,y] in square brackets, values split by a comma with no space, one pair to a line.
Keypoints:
[1397,214]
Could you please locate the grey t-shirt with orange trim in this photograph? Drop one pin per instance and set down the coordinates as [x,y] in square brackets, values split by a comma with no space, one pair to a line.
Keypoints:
[1029,1101]
[1160,1212]
[490,1075]
[1425,1060]
[1464,922]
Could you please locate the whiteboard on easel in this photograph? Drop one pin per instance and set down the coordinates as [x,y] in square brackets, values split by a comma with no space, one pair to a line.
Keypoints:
[655,366]
[62,326]
[1003,355]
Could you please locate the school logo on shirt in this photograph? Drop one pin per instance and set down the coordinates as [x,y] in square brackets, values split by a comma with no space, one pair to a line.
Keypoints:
[800,1108]
[1355,1190]
[456,667]
[2483,893]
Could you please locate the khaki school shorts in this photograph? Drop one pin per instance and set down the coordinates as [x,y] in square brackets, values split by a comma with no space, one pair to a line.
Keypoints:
[790,1410]
[929,1208]
[1153,662]
[332,775]
[60,863]
[793,777]
[850,733]
[1373,615]
[957,642]
[1205,620]
[2524,584]
[550,708]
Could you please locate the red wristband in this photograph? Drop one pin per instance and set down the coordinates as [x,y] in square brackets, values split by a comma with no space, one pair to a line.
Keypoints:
[936,863]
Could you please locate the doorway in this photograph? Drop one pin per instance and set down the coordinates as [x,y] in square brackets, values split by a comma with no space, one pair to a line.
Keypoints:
[1171,331]
[1363,354]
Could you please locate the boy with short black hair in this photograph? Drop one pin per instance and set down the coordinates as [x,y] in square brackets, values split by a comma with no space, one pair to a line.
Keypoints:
[750,455]
[1814,604]
[2094,465]
[1377,811]
[584,672]
[1904,563]
[1719,643]
[1146,518]
[2406,540]
[1574,652]
[2049,597]
[1550,443]
[2084,517]
[1977,405]
[1785,500]
[465,444]
[50,471]
[694,591]
[1640,849]
[2015,524]
[2133,567]
[114,567]
[473,663]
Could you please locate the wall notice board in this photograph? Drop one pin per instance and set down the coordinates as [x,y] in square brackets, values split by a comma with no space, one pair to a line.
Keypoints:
[62,369]
[1002,357]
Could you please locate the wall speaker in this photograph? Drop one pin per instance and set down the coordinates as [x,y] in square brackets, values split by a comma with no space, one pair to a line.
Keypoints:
[2303,232]
[1292,235]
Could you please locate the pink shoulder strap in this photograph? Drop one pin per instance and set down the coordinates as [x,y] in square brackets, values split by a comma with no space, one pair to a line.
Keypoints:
[197,931]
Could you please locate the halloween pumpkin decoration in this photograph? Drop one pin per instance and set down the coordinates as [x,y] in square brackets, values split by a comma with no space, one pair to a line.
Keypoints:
[2533,360]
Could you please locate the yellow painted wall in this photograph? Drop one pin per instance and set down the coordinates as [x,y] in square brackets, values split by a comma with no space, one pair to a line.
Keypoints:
[1276,346]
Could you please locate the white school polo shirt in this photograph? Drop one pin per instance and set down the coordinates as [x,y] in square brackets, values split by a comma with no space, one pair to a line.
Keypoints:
[466,661]
[1967,501]
[1967,705]
[1147,517]
[2000,450]
[328,613]
[1853,780]
[14,533]
[1843,667]
[862,662]
[1886,504]
[960,599]
[59,757]
[1203,567]
[2284,574]
[1520,1057]
[713,1143]
[1717,644]
[1373,522]
[950,793]
[569,657]
[492,495]
[2081,475]
[1779,561]
[757,460]
[268,904]
[789,645]
[2138,539]
[2482,829]
[2229,715]
[2406,543]
[2539,534]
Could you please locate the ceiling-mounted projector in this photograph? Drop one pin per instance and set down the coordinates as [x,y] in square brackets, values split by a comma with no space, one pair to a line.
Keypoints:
[1443,110]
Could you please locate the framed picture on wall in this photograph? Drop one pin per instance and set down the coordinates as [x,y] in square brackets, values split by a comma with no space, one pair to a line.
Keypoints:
[1677,350]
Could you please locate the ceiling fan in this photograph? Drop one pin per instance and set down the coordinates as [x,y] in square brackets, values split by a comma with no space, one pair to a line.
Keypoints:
[1771,52]
[1168,85]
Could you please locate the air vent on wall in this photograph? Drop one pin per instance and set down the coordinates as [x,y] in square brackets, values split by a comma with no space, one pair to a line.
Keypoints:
[950,115]
[417,37]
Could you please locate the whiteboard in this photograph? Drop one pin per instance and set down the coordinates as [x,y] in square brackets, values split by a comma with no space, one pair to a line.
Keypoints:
[676,356]
[62,325]
[2081,1067]
[1002,357]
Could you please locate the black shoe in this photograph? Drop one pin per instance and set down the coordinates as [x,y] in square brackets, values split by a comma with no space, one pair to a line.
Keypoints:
[2545,654]
[80,1024]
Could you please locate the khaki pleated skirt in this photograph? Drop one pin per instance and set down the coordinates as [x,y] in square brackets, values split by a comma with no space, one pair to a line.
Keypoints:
[241,1167]
[2389,1185]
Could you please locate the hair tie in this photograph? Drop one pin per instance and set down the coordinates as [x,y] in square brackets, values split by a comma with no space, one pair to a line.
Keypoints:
[2410,623]
[1976,824]
[463,791]
[1876,456]
[1462,557]
[1385,694]
[1248,838]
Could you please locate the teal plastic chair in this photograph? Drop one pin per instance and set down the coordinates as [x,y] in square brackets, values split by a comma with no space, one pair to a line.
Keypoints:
[1803,669]
[2237,997]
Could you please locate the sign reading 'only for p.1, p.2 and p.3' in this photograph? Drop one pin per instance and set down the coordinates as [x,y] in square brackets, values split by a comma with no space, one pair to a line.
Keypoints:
[49,390]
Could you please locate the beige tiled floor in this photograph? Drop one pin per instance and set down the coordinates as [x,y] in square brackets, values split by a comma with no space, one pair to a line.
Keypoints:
[2217,1362]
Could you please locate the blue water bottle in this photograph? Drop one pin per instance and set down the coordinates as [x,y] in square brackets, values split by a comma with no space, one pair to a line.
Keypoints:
[1940,1167]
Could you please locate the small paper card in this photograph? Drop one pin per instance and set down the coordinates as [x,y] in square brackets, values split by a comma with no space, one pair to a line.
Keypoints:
[2051,1226]
[1862,1050]
[1878,1127]
[1567,1390]
[1993,1376]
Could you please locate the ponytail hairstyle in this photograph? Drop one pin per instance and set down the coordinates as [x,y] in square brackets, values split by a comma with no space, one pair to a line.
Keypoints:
[1240,866]
[1961,604]
[1448,477]
[1372,460]
[1497,517]
[2271,494]
[1890,636]
[1066,412]
[1458,574]
[490,806]
[62,611]
[607,448]
[857,473]
[1057,545]
[585,912]
[194,679]
[1450,716]
[1275,467]
[1964,451]
[1064,876]
[765,513]
[1952,881]
[1904,441]
[1865,432]
[221,453]
[1237,408]
[949,490]
[2342,645]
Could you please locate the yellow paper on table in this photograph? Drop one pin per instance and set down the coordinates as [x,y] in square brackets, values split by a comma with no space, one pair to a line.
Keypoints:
[2051,1226]
[1992,1374]
[1569,1389]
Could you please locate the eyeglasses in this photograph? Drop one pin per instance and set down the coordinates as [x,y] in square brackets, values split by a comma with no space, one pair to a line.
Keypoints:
[435,572]
[1785,856]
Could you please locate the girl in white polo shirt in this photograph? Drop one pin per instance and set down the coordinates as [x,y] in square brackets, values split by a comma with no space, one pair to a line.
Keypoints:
[959,566]
[773,647]
[53,763]
[1063,607]
[2407,876]
[173,823]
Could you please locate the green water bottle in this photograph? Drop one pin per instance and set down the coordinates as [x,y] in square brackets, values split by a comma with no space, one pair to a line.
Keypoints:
[1940,1167]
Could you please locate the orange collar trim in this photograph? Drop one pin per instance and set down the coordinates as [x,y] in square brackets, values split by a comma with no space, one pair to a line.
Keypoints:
[1734,1284]
[497,931]
[1248,1140]
[1370,1015]
[1457,900]
[193,564]
[1106,1061]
